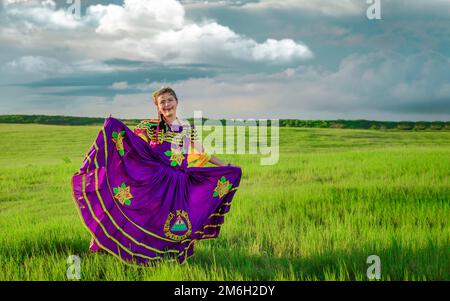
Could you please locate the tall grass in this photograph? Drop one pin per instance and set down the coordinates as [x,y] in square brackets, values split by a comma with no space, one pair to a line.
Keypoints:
[335,197]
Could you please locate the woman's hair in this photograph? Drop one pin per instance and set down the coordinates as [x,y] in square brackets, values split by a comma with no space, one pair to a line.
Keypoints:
[161,91]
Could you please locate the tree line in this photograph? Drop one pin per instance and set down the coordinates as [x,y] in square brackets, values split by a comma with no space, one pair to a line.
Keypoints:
[342,124]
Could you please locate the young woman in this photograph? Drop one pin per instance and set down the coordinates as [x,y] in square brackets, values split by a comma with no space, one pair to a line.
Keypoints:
[168,125]
[146,194]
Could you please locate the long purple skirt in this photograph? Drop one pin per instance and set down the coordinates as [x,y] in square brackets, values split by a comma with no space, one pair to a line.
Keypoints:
[139,207]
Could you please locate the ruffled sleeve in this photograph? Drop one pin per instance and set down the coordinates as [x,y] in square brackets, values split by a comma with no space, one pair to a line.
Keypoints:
[144,128]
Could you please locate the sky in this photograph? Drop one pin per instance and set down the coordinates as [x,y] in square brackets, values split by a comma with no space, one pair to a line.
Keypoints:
[300,59]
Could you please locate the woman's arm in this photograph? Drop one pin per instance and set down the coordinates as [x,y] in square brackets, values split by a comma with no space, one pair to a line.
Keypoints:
[214,160]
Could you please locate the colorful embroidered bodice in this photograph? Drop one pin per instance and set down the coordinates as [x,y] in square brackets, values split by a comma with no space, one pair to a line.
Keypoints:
[176,142]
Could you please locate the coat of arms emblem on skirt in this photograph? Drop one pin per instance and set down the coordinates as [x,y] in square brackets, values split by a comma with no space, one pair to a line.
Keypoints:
[177,226]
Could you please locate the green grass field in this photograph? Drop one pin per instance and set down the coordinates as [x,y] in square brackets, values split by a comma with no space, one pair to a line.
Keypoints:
[335,197]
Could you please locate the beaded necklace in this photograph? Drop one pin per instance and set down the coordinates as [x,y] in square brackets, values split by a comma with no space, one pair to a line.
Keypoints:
[154,143]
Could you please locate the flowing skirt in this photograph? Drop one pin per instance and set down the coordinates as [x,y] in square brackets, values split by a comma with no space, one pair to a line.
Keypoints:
[140,208]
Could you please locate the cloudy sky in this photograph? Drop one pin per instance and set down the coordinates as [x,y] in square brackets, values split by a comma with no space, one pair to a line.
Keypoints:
[304,59]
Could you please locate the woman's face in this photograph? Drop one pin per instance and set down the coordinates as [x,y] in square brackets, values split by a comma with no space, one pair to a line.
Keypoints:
[167,105]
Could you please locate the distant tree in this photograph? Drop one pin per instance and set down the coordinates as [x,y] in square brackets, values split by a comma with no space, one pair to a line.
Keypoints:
[420,127]
[336,125]
[436,126]
[404,126]
[323,124]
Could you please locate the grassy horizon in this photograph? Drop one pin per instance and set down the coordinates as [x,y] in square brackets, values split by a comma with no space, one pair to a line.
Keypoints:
[403,125]
[335,197]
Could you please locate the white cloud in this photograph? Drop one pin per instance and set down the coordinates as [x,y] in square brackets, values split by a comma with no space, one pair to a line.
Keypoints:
[157,30]
[119,85]
[36,64]
[282,50]
[149,30]
[334,8]
[120,106]
[46,67]
[326,7]
[9,2]
[138,17]
[378,85]
[212,42]
[40,13]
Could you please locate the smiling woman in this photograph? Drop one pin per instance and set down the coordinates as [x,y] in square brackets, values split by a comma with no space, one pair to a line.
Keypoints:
[166,102]
[145,195]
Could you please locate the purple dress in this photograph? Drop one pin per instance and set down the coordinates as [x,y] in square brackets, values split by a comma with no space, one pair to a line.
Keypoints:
[142,204]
